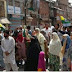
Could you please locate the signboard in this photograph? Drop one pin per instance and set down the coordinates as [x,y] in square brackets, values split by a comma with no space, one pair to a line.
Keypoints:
[10,9]
[2,9]
[16,16]
[17,10]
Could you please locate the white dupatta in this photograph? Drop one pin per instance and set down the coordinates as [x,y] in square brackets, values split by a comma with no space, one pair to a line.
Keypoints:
[55,45]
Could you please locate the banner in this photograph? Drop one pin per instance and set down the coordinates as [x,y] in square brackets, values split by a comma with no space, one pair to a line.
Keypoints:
[10,9]
[17,10]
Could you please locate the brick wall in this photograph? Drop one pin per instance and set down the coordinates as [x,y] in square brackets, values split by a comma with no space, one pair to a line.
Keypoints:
[44,9]
[65,2]
[2,9]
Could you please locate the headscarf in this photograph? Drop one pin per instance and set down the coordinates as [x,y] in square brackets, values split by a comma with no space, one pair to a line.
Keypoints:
[68,40]
[20,37]
[33,51]
[55,45]
[41,62]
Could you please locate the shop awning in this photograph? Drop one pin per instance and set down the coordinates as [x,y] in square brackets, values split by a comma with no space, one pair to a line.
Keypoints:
[29,18]
[5,21]
[45,19]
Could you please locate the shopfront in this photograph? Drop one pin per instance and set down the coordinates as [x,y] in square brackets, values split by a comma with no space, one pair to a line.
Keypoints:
[14,13]
[14,17]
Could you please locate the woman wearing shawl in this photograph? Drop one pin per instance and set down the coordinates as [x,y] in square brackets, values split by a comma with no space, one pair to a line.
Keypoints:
[21,52]
[33,51]
[70,54]
[66,44]
[54,50]
[41,62]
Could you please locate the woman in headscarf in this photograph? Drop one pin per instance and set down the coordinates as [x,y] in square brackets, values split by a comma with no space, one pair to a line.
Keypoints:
[54,50]
[70,54]
[21,52]
[41,62]
[66,44]
[33,51]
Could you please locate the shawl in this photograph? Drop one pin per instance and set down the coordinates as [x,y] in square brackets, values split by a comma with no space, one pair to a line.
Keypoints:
[19,38]
[55,45]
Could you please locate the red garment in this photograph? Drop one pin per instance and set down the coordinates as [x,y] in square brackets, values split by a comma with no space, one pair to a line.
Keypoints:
[19,38]
[22,50]
[21,46]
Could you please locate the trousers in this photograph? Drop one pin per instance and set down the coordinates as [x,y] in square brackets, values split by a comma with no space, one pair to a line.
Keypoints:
[9,66]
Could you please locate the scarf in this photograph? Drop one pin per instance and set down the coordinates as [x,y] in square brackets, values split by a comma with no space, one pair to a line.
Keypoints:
[19,38]
[55,45]
[41,62]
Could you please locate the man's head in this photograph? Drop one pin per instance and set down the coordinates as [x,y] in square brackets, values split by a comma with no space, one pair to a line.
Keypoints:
[6,33]
[37,30]
[47,25]
[28,27]
[56,26]
[68,28]
[20,28]
[64,28]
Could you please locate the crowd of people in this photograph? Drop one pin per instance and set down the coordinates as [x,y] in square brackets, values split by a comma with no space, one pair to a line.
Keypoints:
[40,49]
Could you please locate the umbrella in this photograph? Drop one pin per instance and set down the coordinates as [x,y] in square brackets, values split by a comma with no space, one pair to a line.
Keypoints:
[2,27]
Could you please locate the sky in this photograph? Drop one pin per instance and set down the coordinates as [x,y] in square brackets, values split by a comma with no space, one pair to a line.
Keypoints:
[70,1]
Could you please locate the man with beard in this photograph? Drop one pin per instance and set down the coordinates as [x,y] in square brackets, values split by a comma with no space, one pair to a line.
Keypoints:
[8,44]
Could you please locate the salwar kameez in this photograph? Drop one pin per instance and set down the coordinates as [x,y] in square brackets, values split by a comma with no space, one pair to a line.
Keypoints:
[54,62]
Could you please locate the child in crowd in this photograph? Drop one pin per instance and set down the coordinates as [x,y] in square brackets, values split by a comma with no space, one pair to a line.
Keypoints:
[41,62]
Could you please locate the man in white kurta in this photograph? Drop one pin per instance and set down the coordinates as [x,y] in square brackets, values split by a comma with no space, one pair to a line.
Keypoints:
[8,44]
[48,31]
[41,39]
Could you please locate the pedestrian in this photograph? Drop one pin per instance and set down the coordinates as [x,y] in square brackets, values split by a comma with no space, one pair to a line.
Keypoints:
[11,32]
[15,34]
[41,38]
[57,27]
[46,46]
[21,51]
[66,43]
[29,30]
[41,62]
[48,31]
[70,54]
[68,30]
[33,51]
[8,47]
[27,38]
[2,65]
[54,50]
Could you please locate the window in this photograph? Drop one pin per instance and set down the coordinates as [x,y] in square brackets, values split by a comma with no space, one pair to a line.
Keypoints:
[17,4]
[22,8]
[10,2]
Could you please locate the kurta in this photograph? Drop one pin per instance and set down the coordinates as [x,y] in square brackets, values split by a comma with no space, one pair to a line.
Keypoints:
[9,45]
[41,40]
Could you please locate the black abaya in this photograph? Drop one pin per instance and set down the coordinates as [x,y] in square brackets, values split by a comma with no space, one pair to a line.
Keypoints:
[33,51]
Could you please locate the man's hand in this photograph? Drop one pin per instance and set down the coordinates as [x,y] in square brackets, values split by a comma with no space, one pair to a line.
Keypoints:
[7,53]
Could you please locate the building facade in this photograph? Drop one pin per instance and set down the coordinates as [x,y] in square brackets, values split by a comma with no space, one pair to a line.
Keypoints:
[15,12]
